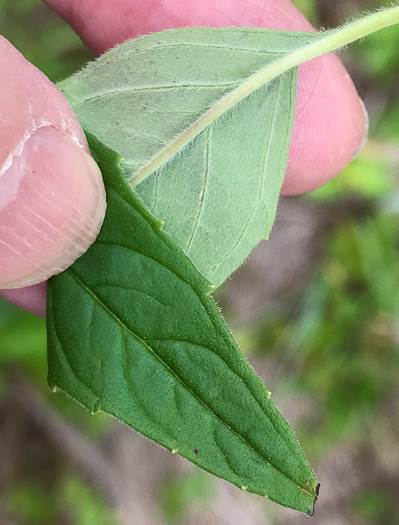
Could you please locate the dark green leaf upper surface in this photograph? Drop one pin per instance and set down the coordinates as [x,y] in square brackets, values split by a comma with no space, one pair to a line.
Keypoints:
[133,332]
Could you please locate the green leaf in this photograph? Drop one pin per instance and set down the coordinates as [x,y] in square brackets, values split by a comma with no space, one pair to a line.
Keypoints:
[218,196]
[133,332]
[203,118]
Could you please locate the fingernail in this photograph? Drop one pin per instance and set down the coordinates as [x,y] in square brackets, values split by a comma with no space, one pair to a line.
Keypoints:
[52,205]
[366,129]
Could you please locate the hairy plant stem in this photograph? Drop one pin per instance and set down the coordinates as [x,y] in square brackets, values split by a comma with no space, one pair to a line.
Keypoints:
[333,40]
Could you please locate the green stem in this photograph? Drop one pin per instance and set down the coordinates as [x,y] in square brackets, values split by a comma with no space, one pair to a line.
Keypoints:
[332,41]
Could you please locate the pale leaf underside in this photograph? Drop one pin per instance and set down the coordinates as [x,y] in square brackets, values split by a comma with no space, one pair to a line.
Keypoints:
[218,193]
[152,100]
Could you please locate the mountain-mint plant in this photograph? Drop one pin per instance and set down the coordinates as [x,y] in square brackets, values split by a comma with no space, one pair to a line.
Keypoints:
[198,121]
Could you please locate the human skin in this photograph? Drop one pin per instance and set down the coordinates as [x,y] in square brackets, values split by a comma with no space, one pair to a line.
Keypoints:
[330,124]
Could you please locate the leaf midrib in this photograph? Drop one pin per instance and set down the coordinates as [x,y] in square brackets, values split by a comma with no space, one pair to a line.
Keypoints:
[173,373]
[330,41]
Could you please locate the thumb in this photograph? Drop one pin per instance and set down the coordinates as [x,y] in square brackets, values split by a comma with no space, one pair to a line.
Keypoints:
[52,198]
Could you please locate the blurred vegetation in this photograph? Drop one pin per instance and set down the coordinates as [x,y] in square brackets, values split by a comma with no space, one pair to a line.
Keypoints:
[184,492]
[338,339]
[71,500]
[43,38]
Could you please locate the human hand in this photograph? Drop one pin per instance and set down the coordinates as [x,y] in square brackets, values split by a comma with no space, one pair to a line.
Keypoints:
[52,198]
[329,129]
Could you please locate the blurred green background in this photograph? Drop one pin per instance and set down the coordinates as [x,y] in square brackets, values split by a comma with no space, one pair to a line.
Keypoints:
[316,309]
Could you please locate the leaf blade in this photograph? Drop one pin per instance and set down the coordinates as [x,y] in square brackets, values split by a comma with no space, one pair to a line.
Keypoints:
[144,341]
[195,76]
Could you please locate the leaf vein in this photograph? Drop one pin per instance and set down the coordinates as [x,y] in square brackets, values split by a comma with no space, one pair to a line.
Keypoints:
[147,294]
[204,186]
[130,89]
